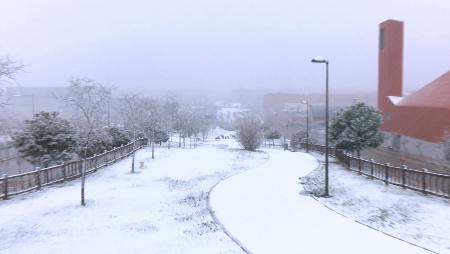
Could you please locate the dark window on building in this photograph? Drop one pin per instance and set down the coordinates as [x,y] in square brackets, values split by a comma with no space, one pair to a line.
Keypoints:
[381,38]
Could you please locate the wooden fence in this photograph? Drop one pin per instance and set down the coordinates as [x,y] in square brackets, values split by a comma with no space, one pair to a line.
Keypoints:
[418,180]
[34,180]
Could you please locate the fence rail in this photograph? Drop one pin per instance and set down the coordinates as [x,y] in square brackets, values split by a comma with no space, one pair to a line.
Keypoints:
[418,180]
[33,180]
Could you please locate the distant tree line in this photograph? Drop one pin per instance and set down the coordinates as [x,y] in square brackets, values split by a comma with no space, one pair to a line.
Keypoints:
[48,139]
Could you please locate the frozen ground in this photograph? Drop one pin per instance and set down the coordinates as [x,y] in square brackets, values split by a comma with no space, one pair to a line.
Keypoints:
[160,209]
[262,208]
[420,219]
[163,209]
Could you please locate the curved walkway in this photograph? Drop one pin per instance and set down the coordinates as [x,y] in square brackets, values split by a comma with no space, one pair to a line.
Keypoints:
[262,208]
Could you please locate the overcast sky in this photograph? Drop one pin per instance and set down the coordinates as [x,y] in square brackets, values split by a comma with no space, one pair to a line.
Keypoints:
[148,44]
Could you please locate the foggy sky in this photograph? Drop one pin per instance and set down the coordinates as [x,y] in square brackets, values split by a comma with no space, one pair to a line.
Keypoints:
[170,44]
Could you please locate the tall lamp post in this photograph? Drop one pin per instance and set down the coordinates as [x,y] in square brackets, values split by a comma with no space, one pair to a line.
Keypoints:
[307,125]
[319,59]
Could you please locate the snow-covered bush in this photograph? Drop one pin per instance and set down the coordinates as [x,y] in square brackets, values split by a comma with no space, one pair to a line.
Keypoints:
[98,141]
[249,133]
[298,138]
[118,137]
[46,140]
[272,135]
[157,136]
[356,127]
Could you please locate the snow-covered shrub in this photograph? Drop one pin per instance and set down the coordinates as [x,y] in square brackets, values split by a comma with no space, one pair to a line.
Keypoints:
[46,140]
[157,136]
[298,138]
[356,127]
[272,135]
[96,142]
[249,133]
[118,137]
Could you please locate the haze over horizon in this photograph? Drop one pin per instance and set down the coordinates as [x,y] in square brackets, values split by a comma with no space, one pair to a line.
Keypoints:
[161,45]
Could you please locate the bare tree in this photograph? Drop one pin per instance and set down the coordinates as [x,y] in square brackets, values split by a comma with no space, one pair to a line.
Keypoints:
[8,73]
[90,99]
[249,132]
[171,113]
[134,114]
[153,120]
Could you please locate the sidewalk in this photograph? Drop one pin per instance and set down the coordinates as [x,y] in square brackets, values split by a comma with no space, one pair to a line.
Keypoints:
[263,209]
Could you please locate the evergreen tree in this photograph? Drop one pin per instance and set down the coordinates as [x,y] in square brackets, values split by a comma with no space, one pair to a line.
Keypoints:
[356,127]
[118,137]
[99,141]
[272,135]
[298,138]
[46,140]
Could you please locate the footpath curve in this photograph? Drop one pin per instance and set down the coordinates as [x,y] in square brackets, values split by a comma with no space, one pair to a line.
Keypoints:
[262,210]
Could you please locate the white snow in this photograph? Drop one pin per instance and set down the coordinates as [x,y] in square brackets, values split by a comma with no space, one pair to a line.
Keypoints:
[409,215]
[263,209]
[163,209]
[160,209]
[395,99]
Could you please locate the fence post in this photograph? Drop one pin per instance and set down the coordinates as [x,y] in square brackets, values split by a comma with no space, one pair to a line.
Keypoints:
[424,181]
[5,186]
[372,161]
[47,179]
[349,160]
[38,177]
[64,172]
[95,162]
[404,168]
[80,167]
[359,165]
[106,157]
[386,173]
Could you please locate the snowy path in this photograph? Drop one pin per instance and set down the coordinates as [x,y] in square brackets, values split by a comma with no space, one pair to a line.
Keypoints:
[160,209]
[264,210]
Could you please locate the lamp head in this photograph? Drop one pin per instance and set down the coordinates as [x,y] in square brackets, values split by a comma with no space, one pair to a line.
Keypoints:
[319,59]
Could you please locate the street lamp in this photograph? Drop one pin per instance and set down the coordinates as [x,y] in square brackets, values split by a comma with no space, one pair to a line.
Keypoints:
[320,59]
[307,125]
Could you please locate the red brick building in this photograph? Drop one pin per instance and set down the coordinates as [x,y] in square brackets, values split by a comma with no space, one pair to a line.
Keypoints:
[418,122]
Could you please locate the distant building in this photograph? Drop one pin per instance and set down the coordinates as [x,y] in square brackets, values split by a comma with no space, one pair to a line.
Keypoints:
[228,113]
[416,123]
[283,102]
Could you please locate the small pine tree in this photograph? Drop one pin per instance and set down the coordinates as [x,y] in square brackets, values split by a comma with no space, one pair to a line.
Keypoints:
[298,138]
[356,127]
[272,135]
[46,140]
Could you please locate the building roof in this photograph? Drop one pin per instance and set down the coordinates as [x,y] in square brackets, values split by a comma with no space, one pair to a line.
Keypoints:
[434,95]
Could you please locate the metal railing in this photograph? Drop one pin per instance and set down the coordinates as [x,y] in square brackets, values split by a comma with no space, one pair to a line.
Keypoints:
[34,180]
[418,180]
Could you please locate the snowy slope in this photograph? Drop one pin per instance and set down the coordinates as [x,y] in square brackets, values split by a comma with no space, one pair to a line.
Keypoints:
[160,209]
[409,215]
[263,209]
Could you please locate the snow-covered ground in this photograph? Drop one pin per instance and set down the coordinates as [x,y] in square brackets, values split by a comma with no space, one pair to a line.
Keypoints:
[160,209]
[262,208]
[420,219]
[163,208]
